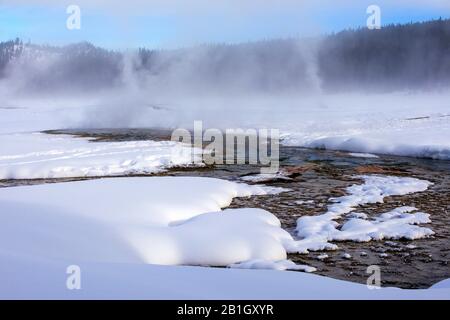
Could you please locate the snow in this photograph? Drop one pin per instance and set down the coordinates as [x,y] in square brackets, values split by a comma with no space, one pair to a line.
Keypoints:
[125,233]
[272,265]
[427,138]
[359,215]
[36,155]
[444,284]
[363,155]
[402,124]
[396,224]
[411,143]
[132,222]
[39,114]
[317,231]
[133,237]
[22,278]
[264,177]
[304,202]
[139,220]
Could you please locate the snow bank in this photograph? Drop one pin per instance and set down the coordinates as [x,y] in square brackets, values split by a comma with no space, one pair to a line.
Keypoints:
[400,144]
[117,229]
[363,155]
[33,156]
[265,177]
[272,265]
[399,223]
[317,231]
[38,279]
[422,138]
[444,284]
[155,220]
[404,123]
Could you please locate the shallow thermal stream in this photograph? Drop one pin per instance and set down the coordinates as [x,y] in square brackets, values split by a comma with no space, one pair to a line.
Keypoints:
[321,175]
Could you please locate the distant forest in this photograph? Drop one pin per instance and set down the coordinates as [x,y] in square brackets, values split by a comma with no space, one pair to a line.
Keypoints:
[397,57]
[415,55]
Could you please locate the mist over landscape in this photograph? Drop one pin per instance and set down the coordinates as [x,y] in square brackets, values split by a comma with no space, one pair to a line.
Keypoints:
[205,81]
[398,57]
[156,149]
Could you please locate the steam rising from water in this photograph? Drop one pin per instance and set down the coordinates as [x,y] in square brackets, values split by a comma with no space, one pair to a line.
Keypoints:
[267,83]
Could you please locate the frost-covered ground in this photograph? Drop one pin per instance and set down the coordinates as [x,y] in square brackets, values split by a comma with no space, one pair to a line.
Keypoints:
[23,278]
[38,155]
[400,223]
[118,229]
[155,220]
[407,124]
[427,139]
[416,125]
[117,240]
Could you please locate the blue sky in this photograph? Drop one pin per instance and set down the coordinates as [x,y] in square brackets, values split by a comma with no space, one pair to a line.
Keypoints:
[175,23]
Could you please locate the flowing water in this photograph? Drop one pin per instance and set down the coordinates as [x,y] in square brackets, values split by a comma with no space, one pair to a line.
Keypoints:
[319,176]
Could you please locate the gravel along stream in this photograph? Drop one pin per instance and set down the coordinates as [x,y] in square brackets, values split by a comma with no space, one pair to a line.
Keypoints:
[316,176]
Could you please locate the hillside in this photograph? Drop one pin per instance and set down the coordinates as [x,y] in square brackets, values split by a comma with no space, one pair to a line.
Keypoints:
[397,57]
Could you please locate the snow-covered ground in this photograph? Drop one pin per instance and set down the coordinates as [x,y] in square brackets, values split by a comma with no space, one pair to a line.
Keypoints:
[407,124]
[156,220]
[22,278]
[403,124]
[317,231]
[410,142]
[38,155]
[117,229]
[362,155]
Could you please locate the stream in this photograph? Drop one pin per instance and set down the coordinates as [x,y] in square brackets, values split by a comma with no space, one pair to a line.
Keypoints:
[319,176]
